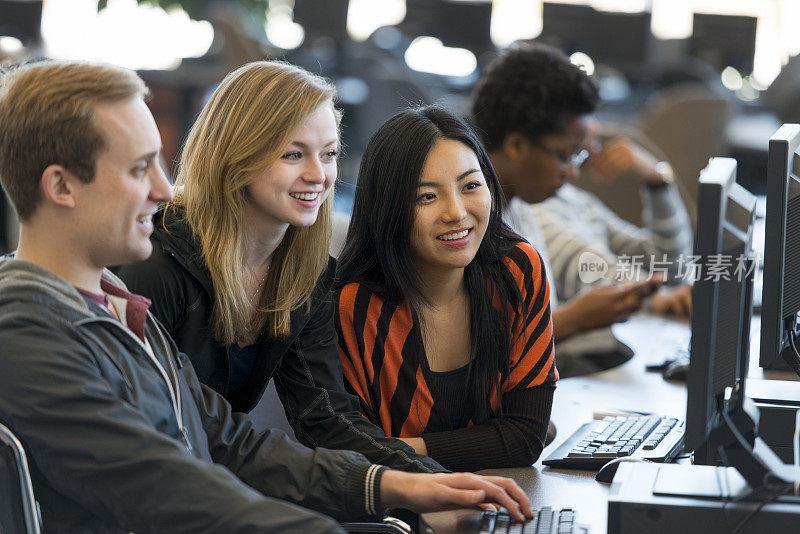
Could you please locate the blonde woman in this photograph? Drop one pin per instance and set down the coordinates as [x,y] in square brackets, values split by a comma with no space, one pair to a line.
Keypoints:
[240,274]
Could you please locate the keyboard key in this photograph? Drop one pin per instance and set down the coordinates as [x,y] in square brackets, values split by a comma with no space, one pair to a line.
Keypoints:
[530,526]
[502,523]
[545,520]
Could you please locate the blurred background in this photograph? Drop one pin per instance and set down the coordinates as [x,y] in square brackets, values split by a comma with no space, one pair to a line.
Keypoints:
[690,78]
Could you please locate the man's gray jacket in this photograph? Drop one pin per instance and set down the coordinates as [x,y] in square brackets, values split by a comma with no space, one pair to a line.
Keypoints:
[123,439]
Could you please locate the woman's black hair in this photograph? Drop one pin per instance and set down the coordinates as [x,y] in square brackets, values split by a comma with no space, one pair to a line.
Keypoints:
[377,250]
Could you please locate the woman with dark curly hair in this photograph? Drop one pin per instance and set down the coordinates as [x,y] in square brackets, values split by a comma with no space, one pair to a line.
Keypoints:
[443,315]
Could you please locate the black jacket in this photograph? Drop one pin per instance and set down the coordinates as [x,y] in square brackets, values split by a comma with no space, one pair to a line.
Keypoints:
[121,438]
[306,365]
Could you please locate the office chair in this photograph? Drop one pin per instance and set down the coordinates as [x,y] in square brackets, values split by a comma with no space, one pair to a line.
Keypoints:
[9,227]
[688,123]
[19,511]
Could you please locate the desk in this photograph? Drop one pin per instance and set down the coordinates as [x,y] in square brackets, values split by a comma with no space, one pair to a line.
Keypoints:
[628,386]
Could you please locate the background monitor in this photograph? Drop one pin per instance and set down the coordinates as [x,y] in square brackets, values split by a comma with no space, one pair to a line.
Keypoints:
[618,40]
[780,299]
[21,19]
[721,300]
[456,24]
[322,18]
[724,40]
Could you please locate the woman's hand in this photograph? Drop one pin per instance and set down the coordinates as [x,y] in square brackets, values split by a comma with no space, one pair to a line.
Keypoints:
[426,492]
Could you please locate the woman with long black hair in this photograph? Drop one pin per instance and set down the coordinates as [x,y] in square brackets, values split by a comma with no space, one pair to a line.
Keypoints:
[443,312]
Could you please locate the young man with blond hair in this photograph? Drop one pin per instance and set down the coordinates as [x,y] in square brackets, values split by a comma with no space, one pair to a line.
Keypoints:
[120,434]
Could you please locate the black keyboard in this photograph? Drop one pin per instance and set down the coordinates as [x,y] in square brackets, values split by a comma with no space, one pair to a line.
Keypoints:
[545,521]
[654,438]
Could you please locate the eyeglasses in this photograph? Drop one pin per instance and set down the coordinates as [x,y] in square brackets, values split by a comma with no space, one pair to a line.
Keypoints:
[574,160]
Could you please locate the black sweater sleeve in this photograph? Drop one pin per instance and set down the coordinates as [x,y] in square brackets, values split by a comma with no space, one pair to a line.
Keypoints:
[515,439]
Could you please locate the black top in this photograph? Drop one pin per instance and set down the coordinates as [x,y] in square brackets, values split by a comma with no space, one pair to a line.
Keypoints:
[305,365]
[241,361]
[450,388]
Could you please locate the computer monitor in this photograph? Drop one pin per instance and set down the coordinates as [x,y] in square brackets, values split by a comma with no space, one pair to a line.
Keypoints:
[456,24]
[780,301]
[724,40]
[619,40]
[21,19]
[721,300]
[322,18]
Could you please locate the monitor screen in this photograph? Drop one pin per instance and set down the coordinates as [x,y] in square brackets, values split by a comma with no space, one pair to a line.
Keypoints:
[21,19]
[618,40]
[780,300]
[724,40]
[456,24]
[322,18]
[721,300]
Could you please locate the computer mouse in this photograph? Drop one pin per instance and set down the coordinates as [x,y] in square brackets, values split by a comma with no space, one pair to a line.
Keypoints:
[677,370]
[607,472]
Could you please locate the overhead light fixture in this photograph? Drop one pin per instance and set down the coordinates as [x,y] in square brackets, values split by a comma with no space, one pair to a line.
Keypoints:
[428,54]
[366,16]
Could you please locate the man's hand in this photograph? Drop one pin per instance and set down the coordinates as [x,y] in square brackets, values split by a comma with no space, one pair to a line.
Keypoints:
[619,156]
[434,492]
[601,305]
[675,301]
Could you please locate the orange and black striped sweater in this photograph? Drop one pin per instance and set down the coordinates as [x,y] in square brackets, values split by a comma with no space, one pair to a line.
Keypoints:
[384,364]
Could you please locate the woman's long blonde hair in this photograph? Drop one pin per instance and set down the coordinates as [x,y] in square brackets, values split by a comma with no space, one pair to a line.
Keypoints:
[244,127]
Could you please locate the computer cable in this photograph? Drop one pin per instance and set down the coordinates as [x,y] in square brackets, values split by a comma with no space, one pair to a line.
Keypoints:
[794,363]
[758,508]
[726,499]
[726,492]
[796,451]
[766,482]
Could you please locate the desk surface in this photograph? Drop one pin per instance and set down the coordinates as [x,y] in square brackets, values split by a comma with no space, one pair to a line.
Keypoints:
[627,387]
